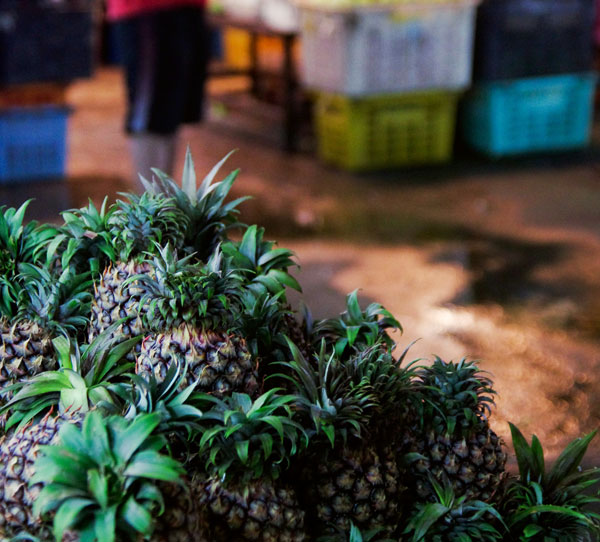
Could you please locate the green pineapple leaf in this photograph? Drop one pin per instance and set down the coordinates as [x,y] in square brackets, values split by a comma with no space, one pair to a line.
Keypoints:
[112,493]
[258,261]
[355,329]
[454,519]
[140,224]
[84,240]
[254,438]
[333,397]
[554,505]
[209,216]
[568,462]
[83,380]
[21,242]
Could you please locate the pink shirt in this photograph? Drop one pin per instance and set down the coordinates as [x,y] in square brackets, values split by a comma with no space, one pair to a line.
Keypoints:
[120,9]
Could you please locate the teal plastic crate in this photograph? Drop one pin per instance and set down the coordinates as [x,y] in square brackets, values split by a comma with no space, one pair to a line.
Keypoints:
[32,143]
[529,115]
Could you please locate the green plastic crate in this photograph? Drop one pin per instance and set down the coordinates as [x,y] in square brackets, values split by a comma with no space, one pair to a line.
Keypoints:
[384,132]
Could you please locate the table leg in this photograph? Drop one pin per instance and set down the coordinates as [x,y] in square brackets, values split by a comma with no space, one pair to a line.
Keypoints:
[289,78]
[254,89]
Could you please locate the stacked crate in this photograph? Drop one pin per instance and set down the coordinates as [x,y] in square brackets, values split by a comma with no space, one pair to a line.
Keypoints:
[43,46]
[387,78]
[533,88]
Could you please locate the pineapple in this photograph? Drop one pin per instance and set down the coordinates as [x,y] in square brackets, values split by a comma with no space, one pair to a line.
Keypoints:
[349,475]
[450,437]
[552,505]
[190,313]
[85,377]
[183,519]
[36,308]
[18,452]
[111,489]
[82,382]
[136,227]
[194,222]
[246,445]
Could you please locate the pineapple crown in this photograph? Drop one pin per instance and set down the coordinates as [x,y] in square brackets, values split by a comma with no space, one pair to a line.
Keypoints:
[179,292]
[102,480]
[331,400]
[354,535]
[84,378]
[136,226]
[60,304]
[356,329]
[253,438]
[453,519]
[554,504]
[146,395]
[391,383]
[84,240]
[209,216]
[261,322]
[20,242]
[456,396]
[259,262]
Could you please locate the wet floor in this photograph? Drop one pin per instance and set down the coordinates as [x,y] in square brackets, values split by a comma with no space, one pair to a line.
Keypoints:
[497,261]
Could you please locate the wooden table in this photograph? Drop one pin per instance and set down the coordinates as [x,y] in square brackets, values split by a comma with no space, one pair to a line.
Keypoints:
[287,70]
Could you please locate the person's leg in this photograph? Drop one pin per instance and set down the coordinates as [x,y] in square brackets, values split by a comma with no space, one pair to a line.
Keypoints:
[150,150]
[151,140]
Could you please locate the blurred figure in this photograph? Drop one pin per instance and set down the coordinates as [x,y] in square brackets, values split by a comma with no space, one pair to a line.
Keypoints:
[163,46]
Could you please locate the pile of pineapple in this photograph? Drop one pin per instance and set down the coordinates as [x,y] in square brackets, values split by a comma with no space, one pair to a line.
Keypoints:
[155,384]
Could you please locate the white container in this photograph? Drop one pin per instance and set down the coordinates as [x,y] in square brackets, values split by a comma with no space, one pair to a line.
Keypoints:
[370,50]
[280,15]
[243,9]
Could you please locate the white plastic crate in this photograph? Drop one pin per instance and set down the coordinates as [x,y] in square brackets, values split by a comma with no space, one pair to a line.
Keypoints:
[388,48]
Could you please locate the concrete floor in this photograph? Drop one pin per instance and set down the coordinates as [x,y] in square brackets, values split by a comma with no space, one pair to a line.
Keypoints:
[493,260]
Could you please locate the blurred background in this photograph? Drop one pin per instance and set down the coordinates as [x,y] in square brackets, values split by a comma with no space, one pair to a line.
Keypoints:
[443,157]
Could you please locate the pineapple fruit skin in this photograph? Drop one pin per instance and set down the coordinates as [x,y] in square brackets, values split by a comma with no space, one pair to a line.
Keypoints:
[356,484]
[221,363]
[113,301]
[474,465]
[454,438]
[18,452]
[262,511]
[25,350]
[183,519]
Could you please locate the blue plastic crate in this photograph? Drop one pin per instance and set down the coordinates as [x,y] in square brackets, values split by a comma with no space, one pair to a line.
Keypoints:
[32,143]
[529,115]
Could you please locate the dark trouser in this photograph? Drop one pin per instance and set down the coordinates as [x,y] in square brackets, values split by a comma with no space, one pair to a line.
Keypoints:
[164,54]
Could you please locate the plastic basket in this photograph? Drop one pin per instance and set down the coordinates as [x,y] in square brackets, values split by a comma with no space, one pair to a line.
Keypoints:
[529,115]
[360,134]
[597,25]
[32,143]
[45,44]
[409,47]
[527,38]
